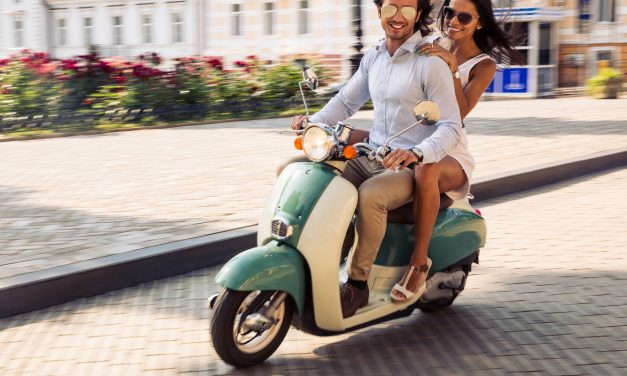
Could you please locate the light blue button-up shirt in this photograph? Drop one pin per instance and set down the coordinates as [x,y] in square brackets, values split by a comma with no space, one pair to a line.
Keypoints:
[395,84]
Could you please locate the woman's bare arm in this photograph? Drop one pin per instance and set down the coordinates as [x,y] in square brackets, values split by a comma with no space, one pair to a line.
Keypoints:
[480,77]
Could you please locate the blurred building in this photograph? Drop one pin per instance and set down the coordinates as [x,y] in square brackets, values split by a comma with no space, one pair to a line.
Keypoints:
[564,38]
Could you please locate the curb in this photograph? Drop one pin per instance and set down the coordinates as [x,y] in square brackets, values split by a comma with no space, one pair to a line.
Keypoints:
[45,288]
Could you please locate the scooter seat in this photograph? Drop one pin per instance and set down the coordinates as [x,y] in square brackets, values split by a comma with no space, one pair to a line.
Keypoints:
[404,214]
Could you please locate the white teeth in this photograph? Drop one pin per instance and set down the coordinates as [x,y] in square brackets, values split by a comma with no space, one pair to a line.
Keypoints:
[397,26]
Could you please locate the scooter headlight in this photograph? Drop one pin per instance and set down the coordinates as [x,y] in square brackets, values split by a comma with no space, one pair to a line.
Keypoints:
[319,142]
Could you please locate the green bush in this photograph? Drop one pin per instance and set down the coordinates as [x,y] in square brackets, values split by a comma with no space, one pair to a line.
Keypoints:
[606,84]
[197,87]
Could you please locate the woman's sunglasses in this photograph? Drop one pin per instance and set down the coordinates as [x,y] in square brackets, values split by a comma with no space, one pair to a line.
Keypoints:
[463,17]
[389,10]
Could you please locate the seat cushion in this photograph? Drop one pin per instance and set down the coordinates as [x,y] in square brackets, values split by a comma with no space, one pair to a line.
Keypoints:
[404,214]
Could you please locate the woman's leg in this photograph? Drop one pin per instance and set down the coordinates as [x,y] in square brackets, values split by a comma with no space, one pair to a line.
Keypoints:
[431,180]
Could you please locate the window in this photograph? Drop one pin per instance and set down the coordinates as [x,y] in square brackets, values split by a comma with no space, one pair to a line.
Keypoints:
[177,28]
[18,33]
[607,11]
[146,28]
[605,55]
[61,32]
[117,30]
[545,57]
[236,20]
[88,28]
[268,18]
[303,17]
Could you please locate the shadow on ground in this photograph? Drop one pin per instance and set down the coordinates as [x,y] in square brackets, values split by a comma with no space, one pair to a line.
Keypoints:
[557,324]
[35,237]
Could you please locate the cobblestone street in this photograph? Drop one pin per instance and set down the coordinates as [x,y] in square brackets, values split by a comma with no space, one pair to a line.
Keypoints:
[73,199]
[548,298]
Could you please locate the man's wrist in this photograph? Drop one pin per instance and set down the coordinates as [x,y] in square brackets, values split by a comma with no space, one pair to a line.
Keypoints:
[419,154]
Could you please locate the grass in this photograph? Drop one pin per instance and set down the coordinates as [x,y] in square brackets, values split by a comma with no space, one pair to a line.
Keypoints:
[116,126]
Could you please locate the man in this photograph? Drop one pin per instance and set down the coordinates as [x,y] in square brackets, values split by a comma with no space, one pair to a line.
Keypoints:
[395,77]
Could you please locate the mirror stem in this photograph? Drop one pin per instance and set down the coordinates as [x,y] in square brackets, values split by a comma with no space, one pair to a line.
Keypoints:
[387,142]
[300,86]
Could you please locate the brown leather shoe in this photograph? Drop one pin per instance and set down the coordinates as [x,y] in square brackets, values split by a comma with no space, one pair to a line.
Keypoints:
[352,298]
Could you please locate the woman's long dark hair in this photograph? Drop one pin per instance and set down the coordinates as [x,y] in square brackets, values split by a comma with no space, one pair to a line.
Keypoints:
[425,17]
[492,39]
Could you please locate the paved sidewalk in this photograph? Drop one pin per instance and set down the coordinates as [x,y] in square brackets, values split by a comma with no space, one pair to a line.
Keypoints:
[548,298]
[73,199]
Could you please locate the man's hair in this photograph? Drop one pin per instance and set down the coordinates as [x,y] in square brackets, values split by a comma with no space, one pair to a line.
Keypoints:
[425,8]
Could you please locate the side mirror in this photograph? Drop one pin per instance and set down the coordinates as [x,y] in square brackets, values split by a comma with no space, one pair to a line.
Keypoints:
[427,112]
[310,78]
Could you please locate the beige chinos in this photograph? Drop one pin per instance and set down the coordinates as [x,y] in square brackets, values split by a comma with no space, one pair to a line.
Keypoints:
[380,190]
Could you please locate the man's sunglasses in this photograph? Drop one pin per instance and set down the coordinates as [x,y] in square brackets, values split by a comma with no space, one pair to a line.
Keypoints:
[463,17]
[389,10]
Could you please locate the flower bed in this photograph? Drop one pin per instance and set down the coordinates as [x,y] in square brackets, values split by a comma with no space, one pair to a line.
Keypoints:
[87,91]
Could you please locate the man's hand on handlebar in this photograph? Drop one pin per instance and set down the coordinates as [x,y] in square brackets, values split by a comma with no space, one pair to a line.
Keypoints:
[298,122]
[398,159]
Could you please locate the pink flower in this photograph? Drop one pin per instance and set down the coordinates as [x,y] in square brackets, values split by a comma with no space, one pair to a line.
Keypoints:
[214,62]
[241,64]
[106,67]
[46,68]
[120,79]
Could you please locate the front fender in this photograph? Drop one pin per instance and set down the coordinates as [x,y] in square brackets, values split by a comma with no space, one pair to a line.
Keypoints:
[273,266]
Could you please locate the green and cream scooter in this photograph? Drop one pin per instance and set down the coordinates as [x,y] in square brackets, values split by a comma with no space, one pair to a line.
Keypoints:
[305,231]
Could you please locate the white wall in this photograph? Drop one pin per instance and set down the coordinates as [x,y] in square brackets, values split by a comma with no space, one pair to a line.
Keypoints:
[33,15]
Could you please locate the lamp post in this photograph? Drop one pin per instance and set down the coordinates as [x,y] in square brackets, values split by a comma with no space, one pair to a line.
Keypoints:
[356,58]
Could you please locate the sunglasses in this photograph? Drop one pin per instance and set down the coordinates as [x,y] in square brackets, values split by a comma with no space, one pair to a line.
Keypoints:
[463,17]
[389,10]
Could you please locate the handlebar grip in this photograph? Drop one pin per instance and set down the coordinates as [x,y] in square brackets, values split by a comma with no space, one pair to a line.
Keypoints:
[412,165]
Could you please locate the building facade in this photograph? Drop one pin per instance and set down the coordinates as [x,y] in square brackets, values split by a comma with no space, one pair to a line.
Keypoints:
[565,38]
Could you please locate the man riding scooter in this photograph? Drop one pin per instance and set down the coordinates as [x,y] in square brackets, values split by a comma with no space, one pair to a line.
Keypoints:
[396,78]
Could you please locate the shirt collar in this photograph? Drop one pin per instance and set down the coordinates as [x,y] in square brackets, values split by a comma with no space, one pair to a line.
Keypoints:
[410,44]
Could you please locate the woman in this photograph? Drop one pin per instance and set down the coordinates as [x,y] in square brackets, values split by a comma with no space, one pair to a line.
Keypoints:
[476,43]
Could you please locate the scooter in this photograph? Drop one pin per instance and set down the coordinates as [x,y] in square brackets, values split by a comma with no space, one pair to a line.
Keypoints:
[305,232]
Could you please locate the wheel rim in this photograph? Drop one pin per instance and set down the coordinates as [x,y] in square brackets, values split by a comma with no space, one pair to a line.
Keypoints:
[249,341]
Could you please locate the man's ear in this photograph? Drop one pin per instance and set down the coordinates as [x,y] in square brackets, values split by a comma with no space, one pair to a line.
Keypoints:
[418,16]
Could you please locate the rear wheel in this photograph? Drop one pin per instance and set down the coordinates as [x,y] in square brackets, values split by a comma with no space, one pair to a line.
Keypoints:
[445,293]
[239,344]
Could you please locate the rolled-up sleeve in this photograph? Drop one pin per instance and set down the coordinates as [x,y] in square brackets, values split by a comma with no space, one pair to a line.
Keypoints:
[438,87]
[349,99]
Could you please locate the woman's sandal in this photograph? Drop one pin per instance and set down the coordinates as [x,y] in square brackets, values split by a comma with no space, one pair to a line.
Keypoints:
[402,289]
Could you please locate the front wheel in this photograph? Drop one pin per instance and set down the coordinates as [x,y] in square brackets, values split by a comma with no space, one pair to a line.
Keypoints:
[234,340]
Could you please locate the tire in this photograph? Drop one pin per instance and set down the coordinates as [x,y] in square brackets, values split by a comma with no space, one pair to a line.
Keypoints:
[439,304]
[230,343]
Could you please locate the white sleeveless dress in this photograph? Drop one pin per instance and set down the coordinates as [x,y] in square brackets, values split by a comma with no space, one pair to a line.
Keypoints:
[464,73]
[466,67]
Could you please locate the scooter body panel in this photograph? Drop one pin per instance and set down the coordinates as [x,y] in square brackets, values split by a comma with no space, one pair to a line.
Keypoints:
[273,266]
[457,234]
[294,196]
[319,205]
[321,246]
